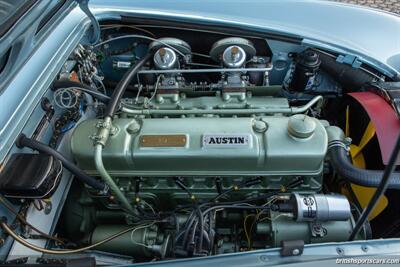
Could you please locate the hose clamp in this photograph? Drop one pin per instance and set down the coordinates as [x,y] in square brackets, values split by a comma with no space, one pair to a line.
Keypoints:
[105,128]
[337,143]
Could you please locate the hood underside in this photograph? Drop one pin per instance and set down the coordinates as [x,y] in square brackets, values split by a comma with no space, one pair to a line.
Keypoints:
[369,34]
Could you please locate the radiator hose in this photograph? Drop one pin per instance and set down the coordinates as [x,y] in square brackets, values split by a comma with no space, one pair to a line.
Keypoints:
[24,141]
[342,164]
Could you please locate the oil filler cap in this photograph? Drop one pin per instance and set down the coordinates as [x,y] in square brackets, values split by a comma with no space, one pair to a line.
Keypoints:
[301,126]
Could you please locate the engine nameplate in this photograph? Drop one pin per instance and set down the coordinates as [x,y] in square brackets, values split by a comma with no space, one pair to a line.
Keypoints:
[226,140]
[178,140]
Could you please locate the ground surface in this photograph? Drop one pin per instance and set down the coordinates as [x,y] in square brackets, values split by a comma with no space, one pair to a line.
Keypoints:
[388,5]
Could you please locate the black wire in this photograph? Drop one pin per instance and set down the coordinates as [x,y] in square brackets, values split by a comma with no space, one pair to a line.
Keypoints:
[198,223]
[192,239]
[193,219]
[237,187]
[383,185]
[226,192]
[64,83]
[99,96]
[182,186]
[211,233]
[201,229]
[187,231]
[236,207]
[262,197]
[147,215]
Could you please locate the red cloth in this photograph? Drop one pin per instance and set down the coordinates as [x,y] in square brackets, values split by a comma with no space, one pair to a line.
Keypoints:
[384,119]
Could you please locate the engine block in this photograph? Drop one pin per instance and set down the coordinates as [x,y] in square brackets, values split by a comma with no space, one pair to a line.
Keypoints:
[274,148]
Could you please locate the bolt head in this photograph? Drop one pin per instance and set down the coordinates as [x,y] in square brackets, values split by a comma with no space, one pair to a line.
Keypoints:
[260,126]
[133,128]
[295,252]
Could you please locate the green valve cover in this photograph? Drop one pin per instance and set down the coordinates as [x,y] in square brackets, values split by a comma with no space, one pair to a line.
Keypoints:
[206,146]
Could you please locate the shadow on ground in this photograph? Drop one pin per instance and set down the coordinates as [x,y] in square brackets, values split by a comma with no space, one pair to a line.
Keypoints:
[388,5]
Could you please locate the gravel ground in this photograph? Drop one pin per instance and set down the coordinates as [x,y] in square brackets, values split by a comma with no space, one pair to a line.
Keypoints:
[388,5]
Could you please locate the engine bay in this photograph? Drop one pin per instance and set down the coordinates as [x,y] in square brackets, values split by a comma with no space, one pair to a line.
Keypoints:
[198,142]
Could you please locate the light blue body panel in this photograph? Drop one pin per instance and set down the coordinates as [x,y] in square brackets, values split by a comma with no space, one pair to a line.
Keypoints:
[317,255]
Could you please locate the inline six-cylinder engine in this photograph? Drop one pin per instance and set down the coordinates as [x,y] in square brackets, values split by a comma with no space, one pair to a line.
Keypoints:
[187,147]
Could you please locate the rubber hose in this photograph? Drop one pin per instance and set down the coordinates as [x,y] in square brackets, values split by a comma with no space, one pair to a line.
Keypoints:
[342,164]
[123,84]
[24,141]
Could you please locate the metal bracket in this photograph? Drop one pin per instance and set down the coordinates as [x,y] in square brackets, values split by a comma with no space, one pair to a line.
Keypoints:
[292,248]
[349,60]
[105,128]
[95,36]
